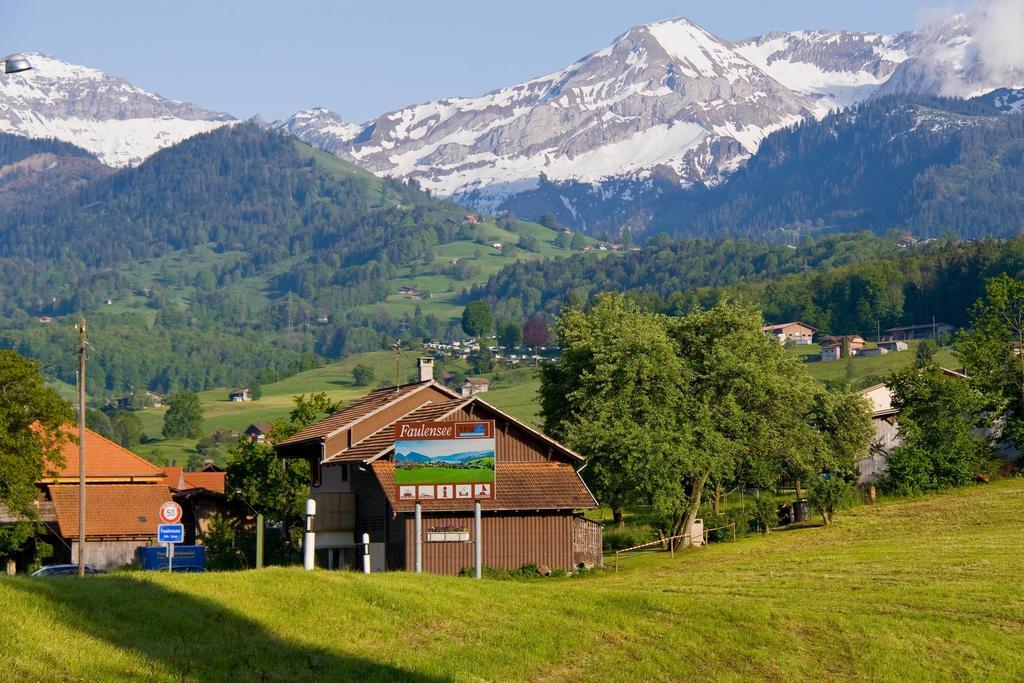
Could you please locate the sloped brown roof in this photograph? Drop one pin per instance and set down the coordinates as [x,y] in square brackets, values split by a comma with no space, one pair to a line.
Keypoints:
[104,459]
[211,481]
[383,440]
[354,412]
[112,510]
[517,486]
[178,479]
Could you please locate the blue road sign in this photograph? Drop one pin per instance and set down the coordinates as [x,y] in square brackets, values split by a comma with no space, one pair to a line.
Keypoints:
[170,533]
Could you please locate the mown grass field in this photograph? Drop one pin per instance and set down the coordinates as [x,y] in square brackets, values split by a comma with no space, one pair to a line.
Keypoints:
[924,589]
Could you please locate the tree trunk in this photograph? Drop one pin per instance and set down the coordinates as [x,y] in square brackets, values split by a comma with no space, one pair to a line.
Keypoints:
[799,490]
[717,502]
[696,489]
[827,518]
[617,516]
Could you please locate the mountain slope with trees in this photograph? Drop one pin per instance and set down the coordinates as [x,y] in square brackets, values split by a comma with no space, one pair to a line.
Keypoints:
[235,257]
[927,165]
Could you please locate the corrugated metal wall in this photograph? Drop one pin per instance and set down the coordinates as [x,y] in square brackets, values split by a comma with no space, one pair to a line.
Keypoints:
[510,540]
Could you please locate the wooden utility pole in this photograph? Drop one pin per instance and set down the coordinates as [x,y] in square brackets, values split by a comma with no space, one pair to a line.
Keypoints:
[82,340]
[398,363]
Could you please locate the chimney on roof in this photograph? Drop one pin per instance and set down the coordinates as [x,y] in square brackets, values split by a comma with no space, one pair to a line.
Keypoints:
[426,366]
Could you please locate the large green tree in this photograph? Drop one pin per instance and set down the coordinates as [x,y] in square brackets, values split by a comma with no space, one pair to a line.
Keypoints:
[993,352]
[32,432]
[614,397]
[664,406]
[510,334]
[943,440]
[748,407]
[477,319]
[184,417]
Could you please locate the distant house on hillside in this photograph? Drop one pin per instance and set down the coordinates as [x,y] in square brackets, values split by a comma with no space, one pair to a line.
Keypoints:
[832,346]
[471,219]
[258,432]
[475,385]
[893,346]
[133,401]
[240,395]
[911,332]
[796,332]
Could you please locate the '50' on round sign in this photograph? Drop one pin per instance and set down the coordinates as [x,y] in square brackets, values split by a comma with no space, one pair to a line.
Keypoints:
[170,512]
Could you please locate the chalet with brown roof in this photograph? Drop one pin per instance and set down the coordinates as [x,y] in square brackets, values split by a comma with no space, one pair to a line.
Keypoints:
[475,385]
[832,346]
[533,516]
[258,432]
[795,332]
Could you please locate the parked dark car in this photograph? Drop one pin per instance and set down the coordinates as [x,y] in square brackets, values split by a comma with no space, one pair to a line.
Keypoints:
[64,570]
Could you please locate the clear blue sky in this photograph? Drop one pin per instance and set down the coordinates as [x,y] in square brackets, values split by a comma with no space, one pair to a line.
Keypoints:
[364,58]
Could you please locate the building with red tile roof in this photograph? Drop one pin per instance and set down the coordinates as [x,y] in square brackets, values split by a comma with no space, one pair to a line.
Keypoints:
[123,496]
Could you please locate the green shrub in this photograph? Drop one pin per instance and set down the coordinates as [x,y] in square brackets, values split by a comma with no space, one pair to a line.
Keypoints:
[828,495]
[765,514]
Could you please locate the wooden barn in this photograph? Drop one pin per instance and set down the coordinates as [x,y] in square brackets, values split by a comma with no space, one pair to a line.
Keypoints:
[534,517]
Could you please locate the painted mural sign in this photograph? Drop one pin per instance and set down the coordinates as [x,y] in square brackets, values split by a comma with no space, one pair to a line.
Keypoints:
[445,460]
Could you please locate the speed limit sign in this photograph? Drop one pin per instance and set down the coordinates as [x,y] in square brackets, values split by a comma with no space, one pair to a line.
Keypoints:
[170,512]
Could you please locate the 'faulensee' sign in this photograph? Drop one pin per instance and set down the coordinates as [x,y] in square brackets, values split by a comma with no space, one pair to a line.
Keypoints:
[445,460]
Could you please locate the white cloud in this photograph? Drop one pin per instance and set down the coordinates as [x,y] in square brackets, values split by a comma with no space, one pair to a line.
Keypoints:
[999,28]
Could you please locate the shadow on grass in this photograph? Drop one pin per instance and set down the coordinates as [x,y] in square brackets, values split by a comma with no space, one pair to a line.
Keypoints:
[194,638]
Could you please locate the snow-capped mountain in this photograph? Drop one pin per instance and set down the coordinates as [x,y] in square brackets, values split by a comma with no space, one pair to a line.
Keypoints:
[838,68]
[966,56]
[666,96]
[668,99]
[120,123]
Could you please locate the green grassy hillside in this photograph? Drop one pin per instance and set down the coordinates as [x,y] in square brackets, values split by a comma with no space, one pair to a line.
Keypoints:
[913,590]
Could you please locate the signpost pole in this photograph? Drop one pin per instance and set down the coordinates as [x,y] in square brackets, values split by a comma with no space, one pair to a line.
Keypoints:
[259,541]
[170,557]
[366,553]
[309,540]
[418,532]
[478,546]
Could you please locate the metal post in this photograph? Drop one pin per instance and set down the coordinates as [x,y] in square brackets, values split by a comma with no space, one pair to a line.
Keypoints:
[418,533]
[81,447]
[366,553]
[309,539]
[477,541]
[170,557]
[259,541]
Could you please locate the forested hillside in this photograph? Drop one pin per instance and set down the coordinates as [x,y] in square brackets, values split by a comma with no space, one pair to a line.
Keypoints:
[927,165]
[238,256]
[840,284]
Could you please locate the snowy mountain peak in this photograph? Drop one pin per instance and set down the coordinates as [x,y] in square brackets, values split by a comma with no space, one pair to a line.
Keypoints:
[118,122]
[667,96]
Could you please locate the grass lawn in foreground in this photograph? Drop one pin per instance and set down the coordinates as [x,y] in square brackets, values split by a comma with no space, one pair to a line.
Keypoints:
[922,589]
